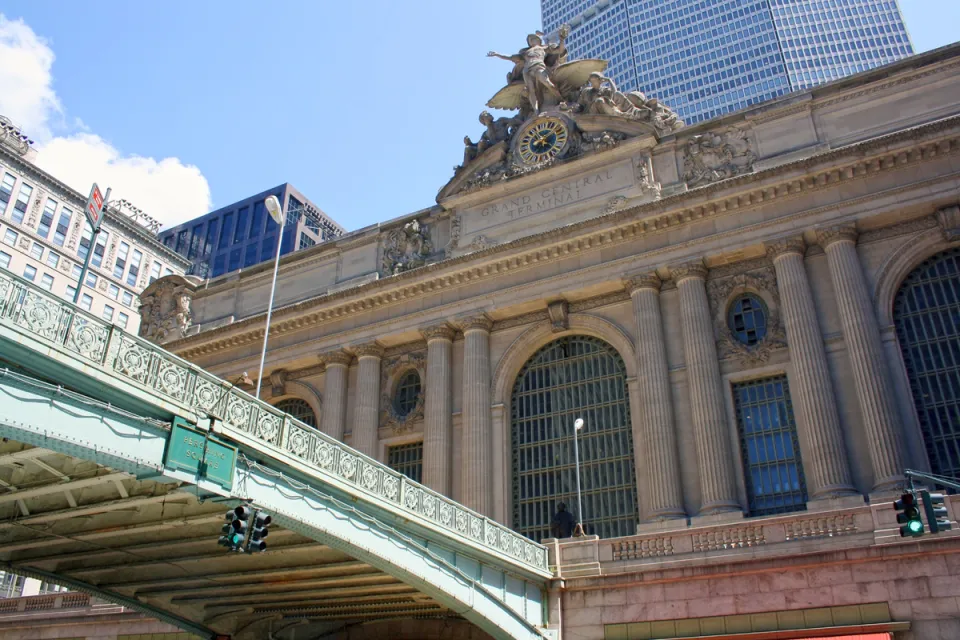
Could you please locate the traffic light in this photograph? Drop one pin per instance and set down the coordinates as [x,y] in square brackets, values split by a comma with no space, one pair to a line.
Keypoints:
[235,529]
[936,511]
[908,516]
[260,523]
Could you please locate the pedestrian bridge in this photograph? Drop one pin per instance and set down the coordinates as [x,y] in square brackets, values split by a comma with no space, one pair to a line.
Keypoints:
[99,491]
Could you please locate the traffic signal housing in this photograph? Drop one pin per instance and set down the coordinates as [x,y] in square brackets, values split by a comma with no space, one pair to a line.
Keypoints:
[936,510]
[235,529]
[908,515]
[261,524]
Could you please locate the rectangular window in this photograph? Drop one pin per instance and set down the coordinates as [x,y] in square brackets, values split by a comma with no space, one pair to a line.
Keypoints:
[4,259]
[113,291]
[407,459]
[85,239]
[63,227]
[226,233]
[107,313]
[77,271]
[183,242]
[71,292]
[10,237]
[6,191]
[769,447]
[86,302]
[256,220]
[218,266]
[127,299]
[196,238]
[23,199]
[250,256]
[46,281]
[97,258]
[155,271]
[123,319]
[46,219]
[211,241]
[134,267]
[234,260]
[30,272]
[167,272]
[36,251]
[91,280]
[243,219]
[121,264]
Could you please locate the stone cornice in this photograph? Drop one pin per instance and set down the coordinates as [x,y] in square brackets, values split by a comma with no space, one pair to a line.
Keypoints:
[837,233]
[784,246]
[630,224]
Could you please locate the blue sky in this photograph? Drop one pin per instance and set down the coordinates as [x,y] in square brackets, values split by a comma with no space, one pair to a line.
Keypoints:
[188,105]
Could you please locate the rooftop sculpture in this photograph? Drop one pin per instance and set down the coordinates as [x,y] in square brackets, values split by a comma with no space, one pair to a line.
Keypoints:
[564,110]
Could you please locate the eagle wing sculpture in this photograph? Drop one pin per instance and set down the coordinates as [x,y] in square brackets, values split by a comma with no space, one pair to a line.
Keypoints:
[570,76]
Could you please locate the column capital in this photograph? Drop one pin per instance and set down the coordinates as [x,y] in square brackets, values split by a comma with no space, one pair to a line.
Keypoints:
[785,246]
[691,269]
[335,357]
[369,350]
[480,322]
[838,233]
[442,331]
[642,281]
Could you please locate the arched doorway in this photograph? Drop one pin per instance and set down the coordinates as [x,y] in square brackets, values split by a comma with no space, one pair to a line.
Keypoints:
[926,314]
[299,409]
[569,378]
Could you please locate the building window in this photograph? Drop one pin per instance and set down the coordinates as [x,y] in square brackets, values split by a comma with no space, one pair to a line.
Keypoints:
[113,291]
[6,191]
[4,259]
[407,459]
[91,280]
[85,239]
[240,232]
[211,242]
[127,299]
[135,260]
[167,272]
[299,409]
[250,256]
[121,264]
[86,302]
[226,231]
[570,378]
[747,319]
[53,259]
[107,313]
[768,442]
[196,241]
[10,237]
[218,266]
[407,393]
[71,292]
[46,218]
[122,319]
[23,199]
[63,227]
[97,259]
[925,313]
[30,272]
[46,281]
[11,585]
[36,251]
[155,271]
[234,260]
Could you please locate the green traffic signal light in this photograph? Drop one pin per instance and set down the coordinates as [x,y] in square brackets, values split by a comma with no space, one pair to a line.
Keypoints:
[936,510]
[909,516]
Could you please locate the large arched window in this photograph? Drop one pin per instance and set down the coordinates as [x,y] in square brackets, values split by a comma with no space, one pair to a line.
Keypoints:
[299,409]
[926,313]
[570,378]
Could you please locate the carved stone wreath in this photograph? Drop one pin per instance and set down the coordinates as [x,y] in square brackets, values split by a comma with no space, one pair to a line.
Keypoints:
[722,293]
[392,371]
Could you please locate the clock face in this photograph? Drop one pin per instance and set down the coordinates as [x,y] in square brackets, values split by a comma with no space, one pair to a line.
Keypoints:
[542,140]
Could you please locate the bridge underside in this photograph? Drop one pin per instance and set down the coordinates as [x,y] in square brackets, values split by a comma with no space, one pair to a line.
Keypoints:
[79,523]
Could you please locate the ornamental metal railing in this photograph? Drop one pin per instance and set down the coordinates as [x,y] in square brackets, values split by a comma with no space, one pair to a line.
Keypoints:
[154,370]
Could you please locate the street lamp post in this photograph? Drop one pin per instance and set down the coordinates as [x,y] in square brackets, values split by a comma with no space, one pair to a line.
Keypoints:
[577,425]
[273,208]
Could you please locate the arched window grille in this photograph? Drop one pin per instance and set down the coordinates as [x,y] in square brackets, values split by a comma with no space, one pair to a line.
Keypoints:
[926,313]
[573,377]
[299,409]
[747,319]
[407,394]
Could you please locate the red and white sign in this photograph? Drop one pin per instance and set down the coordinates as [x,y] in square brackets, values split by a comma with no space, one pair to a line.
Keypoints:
[94,209]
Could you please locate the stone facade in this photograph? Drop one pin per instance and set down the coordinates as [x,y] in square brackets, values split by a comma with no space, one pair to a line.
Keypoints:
[820,204]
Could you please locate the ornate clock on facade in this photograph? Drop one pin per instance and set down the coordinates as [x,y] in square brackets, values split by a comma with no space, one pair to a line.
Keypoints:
[542,140]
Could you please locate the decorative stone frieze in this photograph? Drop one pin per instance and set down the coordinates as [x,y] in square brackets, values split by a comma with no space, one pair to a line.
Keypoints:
[827,526]
[558,311]
[406,248]
[643,548]
[717,156]
[278,382]
[35,208]
[722,292]
[391,371]
[165,308]
[729,538]
[616,203]
[948,218]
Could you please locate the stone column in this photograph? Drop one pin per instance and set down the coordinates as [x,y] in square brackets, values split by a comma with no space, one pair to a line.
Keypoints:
[662,494]
[862,337]
[811,387]
[438,409]
[334,419]
[476,481]
[366,421]
[717,486]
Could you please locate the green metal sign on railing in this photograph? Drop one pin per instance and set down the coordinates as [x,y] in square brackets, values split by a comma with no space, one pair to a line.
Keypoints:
[197,452]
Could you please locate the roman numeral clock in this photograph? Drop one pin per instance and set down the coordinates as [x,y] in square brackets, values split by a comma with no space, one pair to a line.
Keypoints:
[542,140]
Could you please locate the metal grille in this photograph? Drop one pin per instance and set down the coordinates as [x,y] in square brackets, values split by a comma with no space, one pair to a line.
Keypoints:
[407,394]
[407,459]
[768,441]
[568,379]
[299,409]
[926,313]
[748,319]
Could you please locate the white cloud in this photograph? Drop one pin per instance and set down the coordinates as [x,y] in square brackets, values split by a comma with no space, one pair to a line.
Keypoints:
[167,189]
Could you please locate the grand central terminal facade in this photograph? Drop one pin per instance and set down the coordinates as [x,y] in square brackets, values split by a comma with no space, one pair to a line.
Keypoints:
[757,318]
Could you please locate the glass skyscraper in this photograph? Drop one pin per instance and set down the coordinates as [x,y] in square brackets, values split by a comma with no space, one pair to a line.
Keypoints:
[705,58]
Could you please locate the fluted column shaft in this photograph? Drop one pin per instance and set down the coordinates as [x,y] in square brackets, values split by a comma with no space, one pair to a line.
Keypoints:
[475,486]
[335,393]
[366,421]
[714,455]
[662,493]
[438,409]
[870,375]
[812,392]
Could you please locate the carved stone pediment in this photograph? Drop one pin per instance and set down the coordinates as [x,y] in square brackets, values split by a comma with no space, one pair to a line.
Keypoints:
[165,308]
[405,248]
[716,156]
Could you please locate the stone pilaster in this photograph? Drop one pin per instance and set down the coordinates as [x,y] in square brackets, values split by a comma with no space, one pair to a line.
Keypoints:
[657,440]
[475,486]
[366,420]
[811,387]
[714,456]
[337,364]
[862,337]
[438,409]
